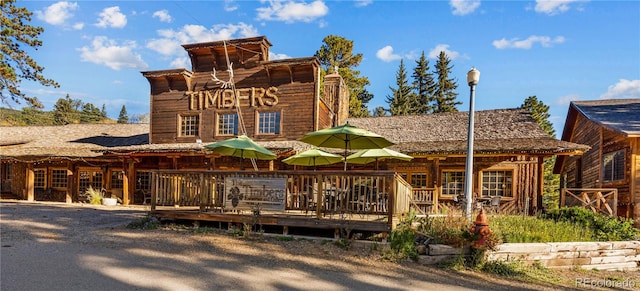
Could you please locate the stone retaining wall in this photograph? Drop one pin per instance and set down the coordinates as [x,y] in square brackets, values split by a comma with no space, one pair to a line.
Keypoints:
[621,255]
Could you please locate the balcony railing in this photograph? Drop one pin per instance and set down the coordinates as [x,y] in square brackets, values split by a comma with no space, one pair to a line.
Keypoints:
[603,201]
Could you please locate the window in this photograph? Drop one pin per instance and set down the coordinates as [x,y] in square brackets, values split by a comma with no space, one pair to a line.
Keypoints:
[90,178]
[452,182]
[189,125]
[39,180]
[116,179]
[143,180]
[6,171]
[268,122]
[419,180]
[497,183]
[613,166]
[59,178]
[228,124]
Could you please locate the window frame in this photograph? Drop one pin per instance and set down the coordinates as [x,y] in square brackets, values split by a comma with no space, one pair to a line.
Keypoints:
[139,180]
[189,127]
[218,123]
[59,182]
[512,190]
[120,173]
[442,182]
[42,172]
[277,128]
[618,171]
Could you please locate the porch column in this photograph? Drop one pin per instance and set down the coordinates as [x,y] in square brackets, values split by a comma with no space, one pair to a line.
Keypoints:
[128,183]
[30,179]
[540,190]
[70,183]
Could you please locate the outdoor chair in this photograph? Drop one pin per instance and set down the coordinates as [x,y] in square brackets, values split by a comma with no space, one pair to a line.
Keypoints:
[495,203]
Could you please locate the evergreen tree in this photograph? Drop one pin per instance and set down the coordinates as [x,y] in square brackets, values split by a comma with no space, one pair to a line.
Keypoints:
[445,95]
[16,64]
[337,51]
[65,111]
[551,190]
[90,114]
[424,85]
[402,98]
[379,112]
[103,112]
[123,117]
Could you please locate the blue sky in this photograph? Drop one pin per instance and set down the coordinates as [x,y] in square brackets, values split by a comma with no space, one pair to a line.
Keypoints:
[559,51]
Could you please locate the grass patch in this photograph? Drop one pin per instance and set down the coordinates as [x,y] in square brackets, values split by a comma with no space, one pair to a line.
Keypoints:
[529,229]
[147,222]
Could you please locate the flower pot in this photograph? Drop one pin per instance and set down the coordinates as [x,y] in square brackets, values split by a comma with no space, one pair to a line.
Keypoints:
[109,201]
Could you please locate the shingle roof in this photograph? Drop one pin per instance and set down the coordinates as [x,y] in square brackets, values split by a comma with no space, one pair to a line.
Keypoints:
[496,131]
[502,130]
[621,115]
[73,140]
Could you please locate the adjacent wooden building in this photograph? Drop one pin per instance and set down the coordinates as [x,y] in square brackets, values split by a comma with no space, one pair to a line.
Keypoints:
[275,103]
[611,128]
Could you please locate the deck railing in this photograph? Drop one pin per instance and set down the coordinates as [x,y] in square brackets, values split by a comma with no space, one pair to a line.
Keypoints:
[318,193]
[603,201]
[425,200]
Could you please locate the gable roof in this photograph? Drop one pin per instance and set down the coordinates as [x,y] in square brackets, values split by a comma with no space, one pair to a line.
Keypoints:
[619,115]
[496,131]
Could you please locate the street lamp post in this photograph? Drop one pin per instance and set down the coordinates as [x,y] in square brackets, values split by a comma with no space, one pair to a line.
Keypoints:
[473,76]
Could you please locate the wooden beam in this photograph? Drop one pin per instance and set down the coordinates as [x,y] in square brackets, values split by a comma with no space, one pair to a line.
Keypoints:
[30,183]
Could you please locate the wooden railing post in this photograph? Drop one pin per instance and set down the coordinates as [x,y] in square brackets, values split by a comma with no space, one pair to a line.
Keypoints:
[319,200]
[154,189]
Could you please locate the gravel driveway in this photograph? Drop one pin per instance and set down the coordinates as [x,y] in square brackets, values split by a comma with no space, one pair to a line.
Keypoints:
[51,246]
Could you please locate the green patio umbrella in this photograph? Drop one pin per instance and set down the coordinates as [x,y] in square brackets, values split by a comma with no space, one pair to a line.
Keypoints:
[346,137]
[374,155]
[313,157]
[242,147]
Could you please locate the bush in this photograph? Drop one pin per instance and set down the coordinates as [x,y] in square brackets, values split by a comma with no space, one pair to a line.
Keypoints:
[94,196]
[451,229]
[402,239]
[605,228]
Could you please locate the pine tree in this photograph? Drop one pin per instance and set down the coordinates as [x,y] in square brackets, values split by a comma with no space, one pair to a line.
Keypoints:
[445,95]
[65,111]
[379,111]
[16,64]
[540,113]
[123,117]
[337,51]
[402,98]
[424,85]
[103,112]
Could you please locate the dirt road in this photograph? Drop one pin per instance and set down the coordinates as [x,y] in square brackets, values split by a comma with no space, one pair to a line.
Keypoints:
[49,246]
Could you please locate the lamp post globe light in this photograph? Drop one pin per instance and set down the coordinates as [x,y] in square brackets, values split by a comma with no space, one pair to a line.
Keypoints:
[473,76]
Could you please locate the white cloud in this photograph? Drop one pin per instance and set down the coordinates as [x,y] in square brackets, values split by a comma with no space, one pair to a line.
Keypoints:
[104,51]
[230,5]
[171,41]
[57,13]
[78,26]
[527,43]
[163,15]
[623,89]
[112,17]
[435,52]
[181,62]
[363,3]
[291,11]
[464,7]
[553,7]
[386,54]
[565,100]
[274,56]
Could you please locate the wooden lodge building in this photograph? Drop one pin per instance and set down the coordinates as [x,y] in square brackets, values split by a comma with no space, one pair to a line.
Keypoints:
[277,103]
[610,169]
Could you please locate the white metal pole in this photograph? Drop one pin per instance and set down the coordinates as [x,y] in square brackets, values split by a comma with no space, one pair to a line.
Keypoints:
[473,76]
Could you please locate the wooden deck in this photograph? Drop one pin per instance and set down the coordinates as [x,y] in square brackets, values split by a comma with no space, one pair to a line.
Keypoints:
[358,201]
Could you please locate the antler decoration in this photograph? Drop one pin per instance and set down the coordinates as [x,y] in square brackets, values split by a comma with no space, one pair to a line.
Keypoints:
[224,84]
